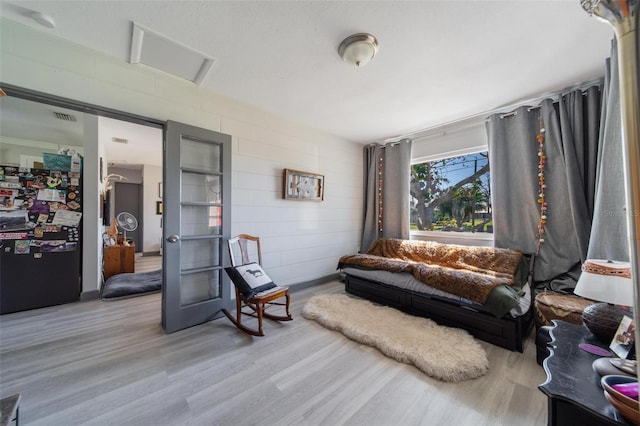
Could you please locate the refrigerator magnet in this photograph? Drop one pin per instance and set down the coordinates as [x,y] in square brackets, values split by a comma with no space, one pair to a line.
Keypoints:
[22,247]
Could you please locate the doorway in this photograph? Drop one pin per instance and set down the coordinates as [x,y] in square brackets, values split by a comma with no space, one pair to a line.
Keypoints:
[56,123]
[134,168]
[128,198]
[194,287]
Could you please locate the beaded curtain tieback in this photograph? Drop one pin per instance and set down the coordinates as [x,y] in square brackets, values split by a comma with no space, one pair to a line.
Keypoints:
[541,183]
[380,183]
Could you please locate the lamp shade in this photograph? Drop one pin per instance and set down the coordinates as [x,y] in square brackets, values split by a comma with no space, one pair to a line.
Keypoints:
[606,281]
[610,283]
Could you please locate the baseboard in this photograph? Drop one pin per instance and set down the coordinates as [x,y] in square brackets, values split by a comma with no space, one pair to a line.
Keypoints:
[95,294]
[151,253]
[317,281]
[89,295]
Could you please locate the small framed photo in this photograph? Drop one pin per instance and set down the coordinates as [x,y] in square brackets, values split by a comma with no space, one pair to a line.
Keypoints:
[158,207]
[623,341]
[303,186]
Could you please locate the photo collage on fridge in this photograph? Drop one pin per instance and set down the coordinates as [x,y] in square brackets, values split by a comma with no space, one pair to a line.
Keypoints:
[41,206]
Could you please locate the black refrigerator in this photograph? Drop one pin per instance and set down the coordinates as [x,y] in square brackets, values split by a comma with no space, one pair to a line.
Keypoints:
[40,236]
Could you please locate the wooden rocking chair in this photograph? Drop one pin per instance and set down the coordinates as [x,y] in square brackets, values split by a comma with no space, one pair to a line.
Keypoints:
[243,250]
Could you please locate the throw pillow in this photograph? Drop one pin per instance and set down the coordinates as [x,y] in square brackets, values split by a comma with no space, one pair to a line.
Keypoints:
[250,279]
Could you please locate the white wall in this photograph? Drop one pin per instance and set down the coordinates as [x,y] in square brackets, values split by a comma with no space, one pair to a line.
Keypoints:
[12,148]
[301,241]
[151,231]
[91,205]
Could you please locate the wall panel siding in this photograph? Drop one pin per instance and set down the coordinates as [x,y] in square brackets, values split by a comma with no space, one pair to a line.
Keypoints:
[122,74]
[302,240]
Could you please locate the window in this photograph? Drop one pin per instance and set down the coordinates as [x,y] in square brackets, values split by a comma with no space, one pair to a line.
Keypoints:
[451,195]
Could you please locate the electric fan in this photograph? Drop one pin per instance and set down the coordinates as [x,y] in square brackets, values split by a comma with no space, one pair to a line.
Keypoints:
[127,222]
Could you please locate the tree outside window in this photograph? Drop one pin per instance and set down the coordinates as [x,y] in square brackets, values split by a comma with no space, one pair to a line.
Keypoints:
[451,195]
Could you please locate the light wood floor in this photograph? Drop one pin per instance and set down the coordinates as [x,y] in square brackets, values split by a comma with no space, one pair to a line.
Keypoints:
[101,363]
[147,263]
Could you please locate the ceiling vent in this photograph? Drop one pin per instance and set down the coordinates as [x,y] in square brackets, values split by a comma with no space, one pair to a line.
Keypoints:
[64,116]
[159,52]
[120,140]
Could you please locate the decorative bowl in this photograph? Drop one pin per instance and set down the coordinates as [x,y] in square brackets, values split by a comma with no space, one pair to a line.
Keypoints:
[628,413]
[628,407]
[609,381]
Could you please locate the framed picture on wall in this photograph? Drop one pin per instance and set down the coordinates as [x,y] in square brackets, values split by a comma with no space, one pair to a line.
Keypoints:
[303,186]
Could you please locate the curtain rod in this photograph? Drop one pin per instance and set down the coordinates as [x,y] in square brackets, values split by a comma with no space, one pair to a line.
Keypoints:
[394,143]
[531,108]
[475,119]
[515,112]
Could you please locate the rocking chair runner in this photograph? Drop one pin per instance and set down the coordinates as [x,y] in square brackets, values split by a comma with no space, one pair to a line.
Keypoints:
[242,249]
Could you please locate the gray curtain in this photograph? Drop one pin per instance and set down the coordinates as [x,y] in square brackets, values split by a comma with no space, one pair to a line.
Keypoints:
[395,189]
[571,140]
[372,154]
[609,234]
[580,118]
[396,163]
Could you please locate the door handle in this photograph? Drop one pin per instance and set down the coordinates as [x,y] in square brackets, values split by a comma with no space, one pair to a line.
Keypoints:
[173,238]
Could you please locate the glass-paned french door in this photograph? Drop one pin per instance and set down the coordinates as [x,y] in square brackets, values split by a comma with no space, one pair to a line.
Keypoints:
[196,206]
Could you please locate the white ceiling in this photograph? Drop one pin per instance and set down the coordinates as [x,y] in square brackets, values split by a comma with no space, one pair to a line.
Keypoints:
[439,61]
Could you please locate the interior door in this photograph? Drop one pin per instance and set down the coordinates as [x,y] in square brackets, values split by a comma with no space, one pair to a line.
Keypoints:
[197,215]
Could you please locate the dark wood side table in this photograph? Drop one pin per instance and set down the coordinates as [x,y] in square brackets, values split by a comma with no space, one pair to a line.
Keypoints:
[575,396]
[118,259]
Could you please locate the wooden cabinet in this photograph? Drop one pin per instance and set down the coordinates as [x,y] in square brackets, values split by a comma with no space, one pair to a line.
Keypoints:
[118,259]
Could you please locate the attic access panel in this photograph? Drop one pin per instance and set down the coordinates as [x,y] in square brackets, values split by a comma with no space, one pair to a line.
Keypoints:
[164,54]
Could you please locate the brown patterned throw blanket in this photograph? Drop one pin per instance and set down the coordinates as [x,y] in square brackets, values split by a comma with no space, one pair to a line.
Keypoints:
[466,271]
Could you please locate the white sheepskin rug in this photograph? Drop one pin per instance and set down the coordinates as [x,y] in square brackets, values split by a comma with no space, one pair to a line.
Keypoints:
[444,353]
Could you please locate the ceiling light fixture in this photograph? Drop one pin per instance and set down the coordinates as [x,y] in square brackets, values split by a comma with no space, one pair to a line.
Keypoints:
[358,49]
[42,19]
